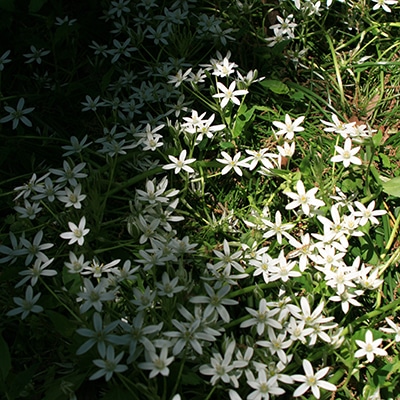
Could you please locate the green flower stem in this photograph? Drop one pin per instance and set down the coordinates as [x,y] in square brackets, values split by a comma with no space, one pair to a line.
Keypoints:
[368,169]
[164,395]
[251,288]
[390,344]
[204,99]
[61,302]
[237,114]
[334,164]
[358,37]
[193,211]
[178,378]
[147,174]
[211,393]
[395,257]
[135,179]
[46,206]
[236,322]
[42,139]
[121,245]
[339,86]
[392,238]
[127,383]
[372,314]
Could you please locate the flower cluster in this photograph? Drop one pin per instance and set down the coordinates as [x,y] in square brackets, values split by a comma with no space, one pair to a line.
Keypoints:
[194,234]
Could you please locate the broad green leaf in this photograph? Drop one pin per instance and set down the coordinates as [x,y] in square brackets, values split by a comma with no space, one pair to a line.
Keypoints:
[392,186]
[36,5]
[21,380]
[366,250]
[380,376]
[106,79]
[275,86]
[352,185]
[57,388]
[377,139]
[227,145]
[190,378]
[297,95]
[385,160]
[7,5]
[62,324]
[5,358]
[71,281]
[243,118]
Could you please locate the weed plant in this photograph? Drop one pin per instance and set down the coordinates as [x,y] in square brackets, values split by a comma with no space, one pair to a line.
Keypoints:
[200,199]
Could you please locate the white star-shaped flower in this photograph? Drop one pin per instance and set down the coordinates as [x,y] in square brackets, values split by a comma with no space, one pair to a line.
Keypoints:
[369,348]
[229,94]
[393,329]
[384,4]
[230,162]
[77,233]
[347,154]
[313,381]
[368,213]
[304,199]
[180,163]
[289,127]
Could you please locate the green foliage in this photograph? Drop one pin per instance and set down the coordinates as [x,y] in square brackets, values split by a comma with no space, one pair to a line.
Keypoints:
[163,66]
[392,186]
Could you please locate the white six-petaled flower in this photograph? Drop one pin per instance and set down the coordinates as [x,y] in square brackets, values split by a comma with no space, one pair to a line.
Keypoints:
[263,386]
[109,364]
[347,154]
[384,4]
[77,233]
[36,55]
[304,199]
[369,348]
[367,213]
[289,127]
[26,305]
[180,163]
[72,198]
[157,364]
[230,162]
[18,114]
[312,381]
[4,59]
[229,94]
[393,329]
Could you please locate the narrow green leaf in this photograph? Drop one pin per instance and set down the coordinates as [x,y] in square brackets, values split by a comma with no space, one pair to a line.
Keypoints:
[263,108]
